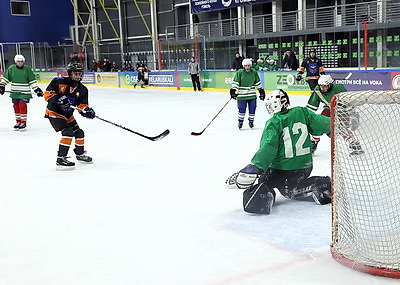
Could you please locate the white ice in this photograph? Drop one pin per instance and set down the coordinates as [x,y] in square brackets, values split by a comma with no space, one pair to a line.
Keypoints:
[152,213]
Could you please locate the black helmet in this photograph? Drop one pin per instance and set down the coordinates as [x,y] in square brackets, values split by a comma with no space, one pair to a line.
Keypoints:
[314,51]
[74,66]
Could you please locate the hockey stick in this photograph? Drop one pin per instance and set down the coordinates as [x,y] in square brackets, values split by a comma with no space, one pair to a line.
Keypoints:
[155,138]
[198,134]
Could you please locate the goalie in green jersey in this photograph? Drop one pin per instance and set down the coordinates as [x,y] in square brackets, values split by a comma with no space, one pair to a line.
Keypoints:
[284,160]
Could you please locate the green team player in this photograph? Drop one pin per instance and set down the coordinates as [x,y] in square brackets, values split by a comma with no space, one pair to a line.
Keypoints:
[244,87]
[323,93]
[284,160]
[23,80]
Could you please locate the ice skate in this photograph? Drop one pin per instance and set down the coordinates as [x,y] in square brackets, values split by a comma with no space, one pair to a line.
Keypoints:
[22,127]
[251,124]
[84,158]
[240,125]
[16,127]
[134,86]
[64,164]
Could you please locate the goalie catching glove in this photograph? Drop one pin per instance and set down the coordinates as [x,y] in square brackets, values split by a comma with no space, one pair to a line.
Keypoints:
[247,176]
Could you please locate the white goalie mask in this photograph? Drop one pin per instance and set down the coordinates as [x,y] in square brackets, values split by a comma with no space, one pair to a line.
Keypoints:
[276,100]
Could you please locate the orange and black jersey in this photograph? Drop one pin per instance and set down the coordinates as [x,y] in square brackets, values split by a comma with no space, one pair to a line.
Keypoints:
[313,67]
[75,91]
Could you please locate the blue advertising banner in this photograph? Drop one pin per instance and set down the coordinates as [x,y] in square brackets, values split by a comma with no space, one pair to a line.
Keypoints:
[363,80]
[198,6]
[162,78]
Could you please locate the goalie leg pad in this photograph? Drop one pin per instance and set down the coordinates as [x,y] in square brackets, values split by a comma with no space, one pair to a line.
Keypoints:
[258,199]
[322,190]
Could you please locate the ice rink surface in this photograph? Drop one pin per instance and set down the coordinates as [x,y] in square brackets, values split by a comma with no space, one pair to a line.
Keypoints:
[154,213]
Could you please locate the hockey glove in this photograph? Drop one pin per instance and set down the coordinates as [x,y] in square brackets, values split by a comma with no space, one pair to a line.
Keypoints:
[38,92]
[2,89]
[262,94]
[233,93]
[299,77]
[88,113]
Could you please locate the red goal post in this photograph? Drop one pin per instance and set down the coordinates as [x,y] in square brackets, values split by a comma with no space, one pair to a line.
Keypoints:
[366,186]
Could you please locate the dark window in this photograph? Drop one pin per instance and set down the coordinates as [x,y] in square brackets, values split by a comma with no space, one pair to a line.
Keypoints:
[20,8]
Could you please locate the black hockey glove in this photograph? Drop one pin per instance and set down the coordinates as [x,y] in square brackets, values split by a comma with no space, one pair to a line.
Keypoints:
[2,89]
[262,94]
[299,77]
[233,93]
[64,103]
[38,92]
[88,113]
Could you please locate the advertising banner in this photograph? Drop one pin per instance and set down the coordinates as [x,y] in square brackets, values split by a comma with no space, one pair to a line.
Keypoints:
[45,77]
[274,80]
[162,79]
[127,78]
[395,80]
[224,80]
[363,80]
[88,78]
[198,6]
[207,79]
[107,78]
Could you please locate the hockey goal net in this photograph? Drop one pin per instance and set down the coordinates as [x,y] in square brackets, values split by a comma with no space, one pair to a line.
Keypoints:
[366,181]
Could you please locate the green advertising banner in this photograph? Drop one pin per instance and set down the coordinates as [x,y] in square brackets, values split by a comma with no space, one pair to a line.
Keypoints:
[207,80]
[285,81]
[45,77]
[127,78]
[224,79]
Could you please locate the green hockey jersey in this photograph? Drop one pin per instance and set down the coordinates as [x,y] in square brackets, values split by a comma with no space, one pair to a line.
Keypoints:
[246,84]
[315,98]
[285,143]
[22,81]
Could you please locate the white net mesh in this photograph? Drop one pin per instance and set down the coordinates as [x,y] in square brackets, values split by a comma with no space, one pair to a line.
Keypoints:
[366,178]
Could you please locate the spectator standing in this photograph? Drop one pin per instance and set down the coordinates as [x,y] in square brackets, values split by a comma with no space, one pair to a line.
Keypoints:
[106,65]
[237,62]
[194,72]
[290,61]
[93,66]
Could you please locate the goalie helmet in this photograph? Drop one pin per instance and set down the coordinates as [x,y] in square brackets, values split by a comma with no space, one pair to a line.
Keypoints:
[19,57]
[247,61]
[276,101]
[74,66]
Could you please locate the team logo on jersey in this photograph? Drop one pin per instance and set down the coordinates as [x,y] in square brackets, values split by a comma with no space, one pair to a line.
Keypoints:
[226,3]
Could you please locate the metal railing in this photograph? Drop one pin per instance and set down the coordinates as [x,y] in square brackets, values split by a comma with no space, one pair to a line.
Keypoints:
[316,18]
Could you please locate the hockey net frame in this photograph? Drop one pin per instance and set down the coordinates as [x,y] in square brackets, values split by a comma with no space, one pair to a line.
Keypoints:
[366,187]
